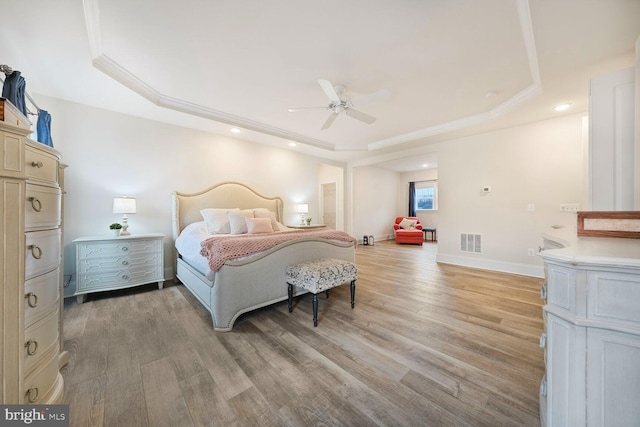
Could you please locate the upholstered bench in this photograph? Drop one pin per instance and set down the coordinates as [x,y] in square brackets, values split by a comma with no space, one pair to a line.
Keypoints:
[321,275]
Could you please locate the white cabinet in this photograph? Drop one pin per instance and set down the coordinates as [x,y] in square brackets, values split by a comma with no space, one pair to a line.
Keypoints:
[108,263]
[30,259]
[592,322]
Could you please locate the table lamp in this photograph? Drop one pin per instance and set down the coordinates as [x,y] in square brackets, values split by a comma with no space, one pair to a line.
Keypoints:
[124,205]
[303,209]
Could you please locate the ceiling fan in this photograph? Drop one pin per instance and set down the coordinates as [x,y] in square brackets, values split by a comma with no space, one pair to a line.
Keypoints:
[341,103]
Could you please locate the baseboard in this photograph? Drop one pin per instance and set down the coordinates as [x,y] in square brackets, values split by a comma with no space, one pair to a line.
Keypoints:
[493,265]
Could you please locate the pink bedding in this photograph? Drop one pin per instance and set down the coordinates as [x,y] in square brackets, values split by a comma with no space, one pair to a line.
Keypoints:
[221,249]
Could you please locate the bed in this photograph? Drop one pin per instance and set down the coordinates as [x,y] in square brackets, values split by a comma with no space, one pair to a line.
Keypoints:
[244,283]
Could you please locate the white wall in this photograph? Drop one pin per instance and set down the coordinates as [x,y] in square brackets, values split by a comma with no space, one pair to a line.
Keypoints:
[111,154]
[427,218]
[375,202]
[540,164]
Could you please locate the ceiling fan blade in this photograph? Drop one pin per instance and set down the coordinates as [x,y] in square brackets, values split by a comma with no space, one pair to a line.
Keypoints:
[359,115]
[295,110]
[327,124]
[380,95]
[329,90]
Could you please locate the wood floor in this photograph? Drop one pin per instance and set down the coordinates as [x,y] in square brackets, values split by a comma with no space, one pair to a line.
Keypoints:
[426,344]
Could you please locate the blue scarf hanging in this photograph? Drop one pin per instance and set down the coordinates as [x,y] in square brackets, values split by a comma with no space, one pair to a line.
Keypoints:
[43,128]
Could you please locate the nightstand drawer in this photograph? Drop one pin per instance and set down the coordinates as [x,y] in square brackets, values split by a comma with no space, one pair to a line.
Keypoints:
[41,296]
[41,165]
[128,261]
[42,252]
[42,207]
[121,278]
[40,341]
[116,248]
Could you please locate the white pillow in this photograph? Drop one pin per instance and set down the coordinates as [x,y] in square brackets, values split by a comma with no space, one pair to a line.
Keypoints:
[266,213]
[259,225]
[237,220]
[407,224]
[217,220]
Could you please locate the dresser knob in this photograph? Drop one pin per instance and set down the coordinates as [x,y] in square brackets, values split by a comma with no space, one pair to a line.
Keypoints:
[543,388]
[543,340]
[32,394]
[37,164]
[125,249]
[32,347]
[35,204]
[36,252]
[32,299]
[543,292]
[125,262]
[125,277]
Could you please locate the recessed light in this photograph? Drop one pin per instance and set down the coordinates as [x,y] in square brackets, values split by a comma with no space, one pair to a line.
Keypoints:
[292,144]
[562,107]
[235,130]
[491,94]
[424,165]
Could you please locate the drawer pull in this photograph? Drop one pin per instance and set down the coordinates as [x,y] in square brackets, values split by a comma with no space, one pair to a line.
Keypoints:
[32,347]
[32,299]
[32,394]
[543,388]
[35,204]
[37,164]
[125,249]
[36,252]
[125,262]
[125,277]
[543,292]
[543,340]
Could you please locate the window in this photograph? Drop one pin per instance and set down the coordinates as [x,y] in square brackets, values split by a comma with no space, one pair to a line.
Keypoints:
[426,195]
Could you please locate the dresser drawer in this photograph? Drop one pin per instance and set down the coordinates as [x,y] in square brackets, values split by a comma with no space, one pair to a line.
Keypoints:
[115,248]
[121,278]
[42,207]
[41,296]
[128,261]
[40,341]
[40,165]
[42,252]
[566,290]
[40,385]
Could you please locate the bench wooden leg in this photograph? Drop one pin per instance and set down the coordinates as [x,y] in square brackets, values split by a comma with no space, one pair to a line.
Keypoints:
[353,293]
[290,292]
[315,310]
[327,293]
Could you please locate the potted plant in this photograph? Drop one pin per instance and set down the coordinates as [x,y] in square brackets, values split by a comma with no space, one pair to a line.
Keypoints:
[308,221]
[115,228]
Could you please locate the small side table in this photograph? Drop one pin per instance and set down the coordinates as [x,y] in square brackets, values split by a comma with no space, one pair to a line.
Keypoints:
[432,230]
[307,227]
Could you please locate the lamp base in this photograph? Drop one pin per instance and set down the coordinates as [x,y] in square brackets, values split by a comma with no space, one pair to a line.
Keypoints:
[125,227]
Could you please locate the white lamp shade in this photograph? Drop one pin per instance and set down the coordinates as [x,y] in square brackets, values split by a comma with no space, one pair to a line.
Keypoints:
[124,205]
[303,208]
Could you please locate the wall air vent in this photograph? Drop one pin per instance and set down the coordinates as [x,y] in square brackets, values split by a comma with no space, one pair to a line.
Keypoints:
[471,243]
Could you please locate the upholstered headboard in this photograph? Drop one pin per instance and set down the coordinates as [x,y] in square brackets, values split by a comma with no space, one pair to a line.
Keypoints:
[186,207]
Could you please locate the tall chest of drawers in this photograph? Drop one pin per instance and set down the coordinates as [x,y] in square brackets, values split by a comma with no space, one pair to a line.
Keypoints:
[30,282]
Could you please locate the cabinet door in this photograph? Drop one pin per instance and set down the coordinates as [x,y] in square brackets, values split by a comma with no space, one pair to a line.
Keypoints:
[565,372]
[613,366]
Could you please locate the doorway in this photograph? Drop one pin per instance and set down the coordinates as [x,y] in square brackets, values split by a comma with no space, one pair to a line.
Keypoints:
[329,201]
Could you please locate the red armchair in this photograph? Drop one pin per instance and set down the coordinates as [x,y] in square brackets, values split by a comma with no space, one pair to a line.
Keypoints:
[408,230]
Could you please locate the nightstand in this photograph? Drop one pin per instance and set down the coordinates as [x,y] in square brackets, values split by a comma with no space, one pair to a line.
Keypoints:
[109,263]
[307,227]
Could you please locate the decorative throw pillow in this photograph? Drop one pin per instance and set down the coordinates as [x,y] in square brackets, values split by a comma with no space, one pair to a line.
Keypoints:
[217,220]
[237,220]
[407,224]
[259,225]
[266,213]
